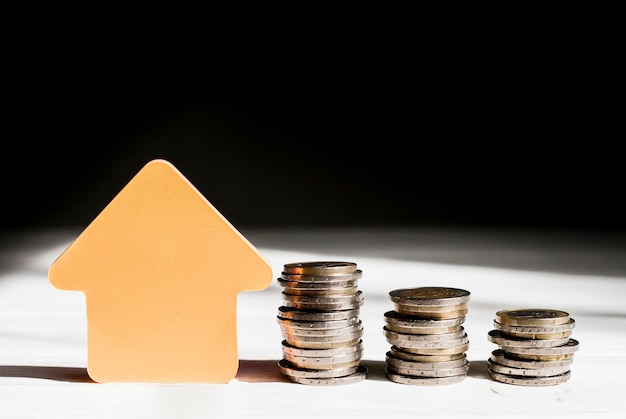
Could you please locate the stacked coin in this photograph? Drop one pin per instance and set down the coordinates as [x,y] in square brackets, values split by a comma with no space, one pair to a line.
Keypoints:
[320,324]
[535,347]
[427,337]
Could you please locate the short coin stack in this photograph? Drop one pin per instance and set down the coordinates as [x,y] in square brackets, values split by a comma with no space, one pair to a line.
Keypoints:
[535,347]
[320,323]
[427,337]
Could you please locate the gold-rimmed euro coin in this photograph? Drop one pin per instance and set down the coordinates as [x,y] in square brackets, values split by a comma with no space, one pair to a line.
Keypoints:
[318,325]
[313,292]
[322,352]
[423,381]
[525,352]
[399,353]
[323,362]
[408,320]
[331,364]
[541,336]
[327,286]
[436,296]
[291,370]
[291,313]
[510,360]
[437,315]
[532,317]
[559,328]
[530,381]
[320,268]
[324,344]
[426,310]
[396,362]
[504,340]
[321,279]
[526,372]
[298,332]
[441,337]
[435,351]
[359,375]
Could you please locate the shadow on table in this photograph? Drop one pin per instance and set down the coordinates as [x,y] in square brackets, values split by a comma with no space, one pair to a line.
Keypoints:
[260,371]
[376,370]
[70,374]
[251,371]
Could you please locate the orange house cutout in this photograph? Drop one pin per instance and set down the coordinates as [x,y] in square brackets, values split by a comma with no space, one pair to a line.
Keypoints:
[160,269]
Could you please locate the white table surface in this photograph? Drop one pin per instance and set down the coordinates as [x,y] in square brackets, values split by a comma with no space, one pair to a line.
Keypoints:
[43,329]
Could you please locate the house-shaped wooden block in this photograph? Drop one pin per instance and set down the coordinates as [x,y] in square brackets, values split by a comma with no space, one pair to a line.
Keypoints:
[161,268]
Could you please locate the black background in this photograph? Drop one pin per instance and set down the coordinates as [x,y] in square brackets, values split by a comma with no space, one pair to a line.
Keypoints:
[346,141]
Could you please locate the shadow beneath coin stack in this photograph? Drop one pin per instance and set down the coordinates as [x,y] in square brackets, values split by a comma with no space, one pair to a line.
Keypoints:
[260,371]
[375,370]
[478,369]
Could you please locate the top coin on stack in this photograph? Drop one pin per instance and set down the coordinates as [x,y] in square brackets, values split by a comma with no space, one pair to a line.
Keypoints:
[431,302]
[320,324]
[535,346]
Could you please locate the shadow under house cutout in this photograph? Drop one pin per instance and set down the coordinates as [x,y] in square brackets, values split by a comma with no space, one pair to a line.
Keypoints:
[156,270]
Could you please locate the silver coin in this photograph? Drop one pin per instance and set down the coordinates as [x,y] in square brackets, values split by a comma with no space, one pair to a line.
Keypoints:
[326,286]
[396,362]
[359,375]
[536,329]
[319,279]
[568,348]
[433,315]
[526,372]
[323,352]
[440,337]
[315,344]
[323,300]
[329,363]
[328,293]
[404,341]
[409,321]
[324,303]
[423,381]
[500,338]
[342,337]
[291,313]
[322,362]
[297,332]
[437,296]
[320,268]
[318,325]
[325,307]
[291,370]
[504,358]
[424,310]
[436,351]
[417,357]
[416,372]
[530,381]
[420,330]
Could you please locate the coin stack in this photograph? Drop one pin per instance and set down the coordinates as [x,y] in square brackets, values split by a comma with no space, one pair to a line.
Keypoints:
[427,337]
[320,324]
[535,347]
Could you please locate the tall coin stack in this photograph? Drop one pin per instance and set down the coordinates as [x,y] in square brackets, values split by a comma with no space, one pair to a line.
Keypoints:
[320,323]
[427,337]
[535,347]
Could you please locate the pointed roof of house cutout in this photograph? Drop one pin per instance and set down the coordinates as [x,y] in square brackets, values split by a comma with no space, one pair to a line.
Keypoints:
[161,268]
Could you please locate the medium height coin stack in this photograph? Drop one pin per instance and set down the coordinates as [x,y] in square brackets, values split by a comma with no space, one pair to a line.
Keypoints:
[319,322]
[428,341]
[535,347]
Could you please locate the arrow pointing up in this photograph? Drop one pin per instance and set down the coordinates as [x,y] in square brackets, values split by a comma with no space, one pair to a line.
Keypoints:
[161,268]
